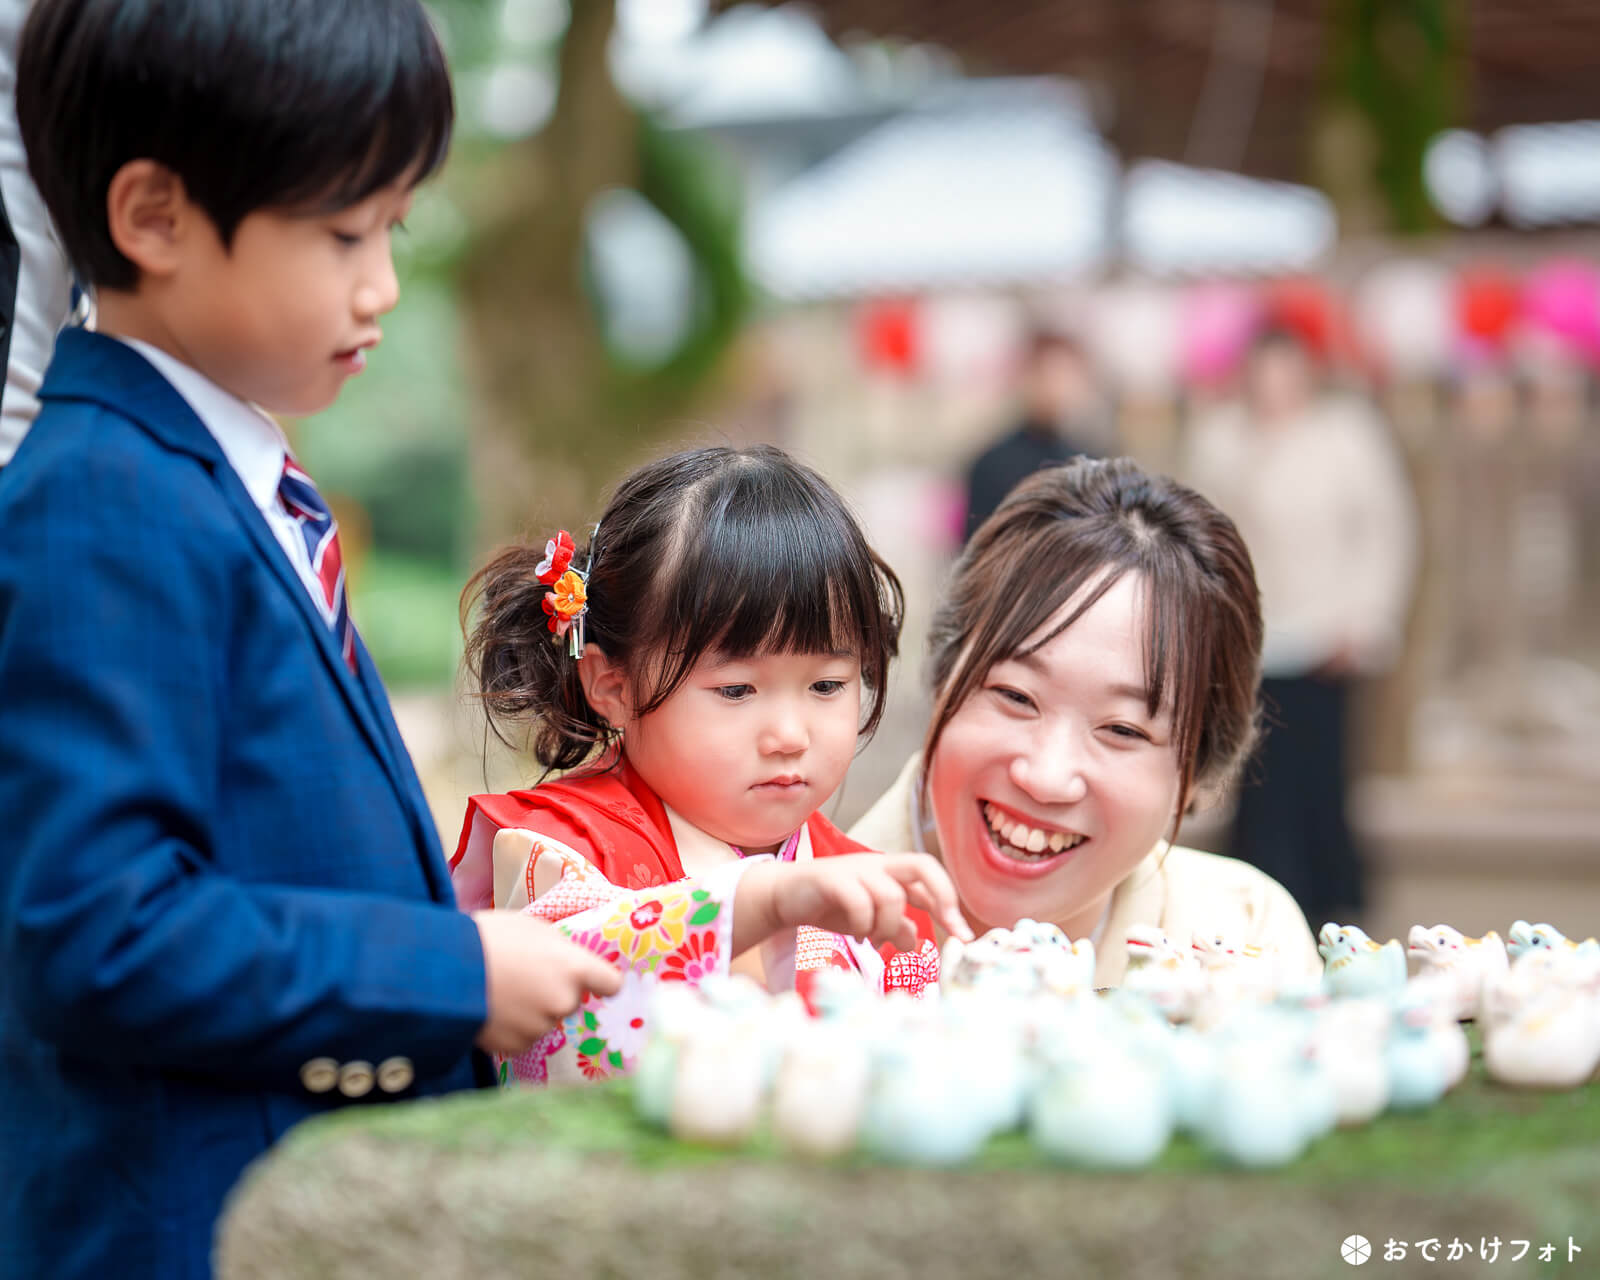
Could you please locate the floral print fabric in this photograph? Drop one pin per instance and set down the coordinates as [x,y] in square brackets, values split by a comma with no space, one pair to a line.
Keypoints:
[677,932]
[661,933]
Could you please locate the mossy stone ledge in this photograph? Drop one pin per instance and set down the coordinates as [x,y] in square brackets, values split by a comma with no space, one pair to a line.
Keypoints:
[569,1183]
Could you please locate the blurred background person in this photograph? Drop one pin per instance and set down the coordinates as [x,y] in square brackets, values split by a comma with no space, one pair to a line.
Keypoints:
[1318,489]
[1062,415]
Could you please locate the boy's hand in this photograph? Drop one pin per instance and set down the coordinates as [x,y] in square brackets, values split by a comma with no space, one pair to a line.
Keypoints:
[535,976]
[861,895]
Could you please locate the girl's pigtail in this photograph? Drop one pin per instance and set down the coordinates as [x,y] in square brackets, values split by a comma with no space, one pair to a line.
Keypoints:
[528,684]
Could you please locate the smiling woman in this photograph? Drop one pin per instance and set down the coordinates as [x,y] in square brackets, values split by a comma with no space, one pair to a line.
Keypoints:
[1095,662]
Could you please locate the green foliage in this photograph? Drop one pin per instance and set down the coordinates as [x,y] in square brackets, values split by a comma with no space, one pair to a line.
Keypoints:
[406,610]
[684,177]
[394,441]
[686,180]
[1399,63]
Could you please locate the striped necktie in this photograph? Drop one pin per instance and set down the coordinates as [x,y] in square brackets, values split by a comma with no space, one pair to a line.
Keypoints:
[321,534]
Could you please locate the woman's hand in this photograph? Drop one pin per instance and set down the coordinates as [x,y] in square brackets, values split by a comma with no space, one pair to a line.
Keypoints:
[861,895]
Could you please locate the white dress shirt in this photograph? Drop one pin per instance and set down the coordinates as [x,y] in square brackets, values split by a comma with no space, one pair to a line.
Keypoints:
[253,444]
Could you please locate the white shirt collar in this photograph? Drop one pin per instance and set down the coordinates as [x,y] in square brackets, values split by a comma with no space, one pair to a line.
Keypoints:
[251,441]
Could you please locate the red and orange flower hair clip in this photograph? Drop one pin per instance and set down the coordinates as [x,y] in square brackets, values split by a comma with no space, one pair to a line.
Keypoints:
[567,601]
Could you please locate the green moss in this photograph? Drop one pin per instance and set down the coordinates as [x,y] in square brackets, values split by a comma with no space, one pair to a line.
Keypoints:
[569,1182]
[1478,1123]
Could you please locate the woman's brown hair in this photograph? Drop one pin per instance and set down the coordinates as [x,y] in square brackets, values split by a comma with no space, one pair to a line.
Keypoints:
[1077,529]
[728,551]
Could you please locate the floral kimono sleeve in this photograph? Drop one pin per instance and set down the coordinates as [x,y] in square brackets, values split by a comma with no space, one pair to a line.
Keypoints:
[678,932]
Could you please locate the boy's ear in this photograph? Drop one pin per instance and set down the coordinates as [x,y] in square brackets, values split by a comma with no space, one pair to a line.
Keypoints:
[148,213]
[605,685]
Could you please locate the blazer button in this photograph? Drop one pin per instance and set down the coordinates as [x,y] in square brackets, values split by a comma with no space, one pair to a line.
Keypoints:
[395,1075]
[319,1075]
[355,1079]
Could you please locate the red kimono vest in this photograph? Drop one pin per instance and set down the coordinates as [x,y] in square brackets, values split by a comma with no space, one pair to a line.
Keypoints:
[620,825]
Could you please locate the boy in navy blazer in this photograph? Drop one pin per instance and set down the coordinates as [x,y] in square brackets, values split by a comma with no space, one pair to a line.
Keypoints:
[223,907]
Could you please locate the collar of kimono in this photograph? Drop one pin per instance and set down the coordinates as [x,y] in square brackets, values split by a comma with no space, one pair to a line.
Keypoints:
[700,852]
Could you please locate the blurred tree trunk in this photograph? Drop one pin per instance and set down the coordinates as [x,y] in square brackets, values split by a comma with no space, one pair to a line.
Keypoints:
[1395,72]
[535,351]
[1394,77]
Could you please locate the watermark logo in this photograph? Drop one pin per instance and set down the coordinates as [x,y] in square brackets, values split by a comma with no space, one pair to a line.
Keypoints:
[1356,1250]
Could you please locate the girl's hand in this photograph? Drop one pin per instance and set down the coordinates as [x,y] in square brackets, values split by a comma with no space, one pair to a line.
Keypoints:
[861,895]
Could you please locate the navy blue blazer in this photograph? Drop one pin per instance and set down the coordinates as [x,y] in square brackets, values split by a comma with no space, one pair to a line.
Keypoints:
[216,864]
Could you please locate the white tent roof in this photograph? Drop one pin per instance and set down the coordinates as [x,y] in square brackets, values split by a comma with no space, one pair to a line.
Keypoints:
[1179,220]
[1010,183]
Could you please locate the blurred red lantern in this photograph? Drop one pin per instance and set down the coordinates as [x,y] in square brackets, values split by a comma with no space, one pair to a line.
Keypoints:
[1306,308]
[889,338]
[1487,302]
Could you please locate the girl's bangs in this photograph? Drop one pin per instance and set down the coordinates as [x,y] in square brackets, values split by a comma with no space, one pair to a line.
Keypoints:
[767,585]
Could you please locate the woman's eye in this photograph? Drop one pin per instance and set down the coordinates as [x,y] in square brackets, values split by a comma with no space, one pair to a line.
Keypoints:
[735,692]
[1129,732]
[347,239]
[827,687]
[1013,697]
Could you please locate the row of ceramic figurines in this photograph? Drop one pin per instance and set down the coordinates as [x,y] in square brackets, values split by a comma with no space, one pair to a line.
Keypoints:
[1255,1069]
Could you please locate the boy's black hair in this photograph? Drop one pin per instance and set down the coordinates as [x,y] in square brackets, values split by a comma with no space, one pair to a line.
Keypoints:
[253,104]
[733,552]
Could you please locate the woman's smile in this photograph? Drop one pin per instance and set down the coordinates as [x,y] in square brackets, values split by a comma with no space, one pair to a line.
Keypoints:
[1018,835]
[1008,843]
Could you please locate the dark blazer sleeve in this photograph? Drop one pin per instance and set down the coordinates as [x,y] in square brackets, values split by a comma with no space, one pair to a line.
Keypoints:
[123,939]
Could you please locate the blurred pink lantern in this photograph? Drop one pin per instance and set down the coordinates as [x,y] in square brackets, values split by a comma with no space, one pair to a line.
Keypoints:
[1217,322]
[1134,333]
[1406,317]
[1561,299]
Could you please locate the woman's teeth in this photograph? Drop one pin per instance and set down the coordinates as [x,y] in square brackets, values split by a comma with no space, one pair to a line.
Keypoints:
[1019,840]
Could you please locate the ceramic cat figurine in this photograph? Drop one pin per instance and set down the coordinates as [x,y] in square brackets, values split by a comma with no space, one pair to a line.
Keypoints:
[820,1094]
[1029,957]
[1107,1108]
[1428,1052]
[1466,964]
[916,1110]
[1168,976]
[1266,1104]
[720,1083]
[1235,973]
[1355,965]
[1541,1027]
[1350,1038]
[676,1012]
[1527,937]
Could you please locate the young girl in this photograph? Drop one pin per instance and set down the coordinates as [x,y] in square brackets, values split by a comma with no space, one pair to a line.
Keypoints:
[699,666]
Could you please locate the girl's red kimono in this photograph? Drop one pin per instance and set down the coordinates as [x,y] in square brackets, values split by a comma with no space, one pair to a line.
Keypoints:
[597,853]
